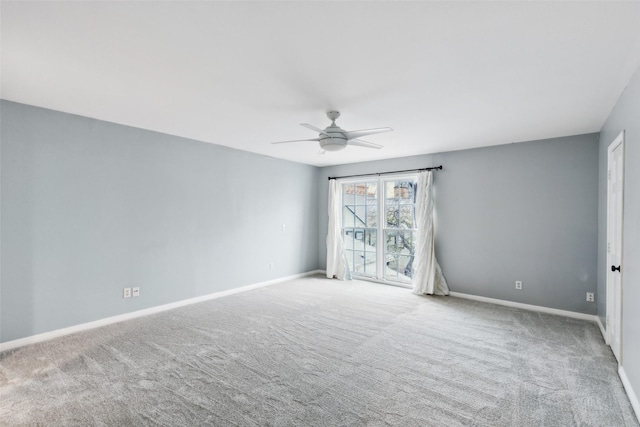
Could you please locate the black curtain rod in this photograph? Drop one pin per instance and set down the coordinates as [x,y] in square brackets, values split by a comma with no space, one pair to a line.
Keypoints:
[387,173]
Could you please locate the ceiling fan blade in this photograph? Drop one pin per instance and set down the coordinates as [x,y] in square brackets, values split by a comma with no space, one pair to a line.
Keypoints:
[313,128]
[362,143]
[296,140]
[364,132]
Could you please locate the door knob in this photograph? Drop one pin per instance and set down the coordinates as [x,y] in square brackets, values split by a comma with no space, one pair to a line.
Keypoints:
[614,268]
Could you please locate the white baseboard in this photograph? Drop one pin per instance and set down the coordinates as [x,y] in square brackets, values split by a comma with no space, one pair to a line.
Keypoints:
[9,345]
[633,397]
[603,331]
[539,308]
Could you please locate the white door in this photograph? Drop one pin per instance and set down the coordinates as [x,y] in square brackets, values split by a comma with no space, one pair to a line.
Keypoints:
[615,193]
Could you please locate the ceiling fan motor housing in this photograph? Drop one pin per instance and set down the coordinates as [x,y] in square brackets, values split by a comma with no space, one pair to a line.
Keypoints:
[333,139]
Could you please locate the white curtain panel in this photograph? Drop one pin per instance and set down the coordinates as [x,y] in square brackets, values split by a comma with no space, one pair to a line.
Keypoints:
[337,265]
[427,275]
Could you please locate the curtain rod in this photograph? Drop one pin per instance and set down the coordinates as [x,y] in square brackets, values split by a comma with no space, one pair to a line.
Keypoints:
[386,173]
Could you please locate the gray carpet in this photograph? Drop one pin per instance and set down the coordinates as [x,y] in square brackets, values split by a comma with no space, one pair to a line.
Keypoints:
[314,352]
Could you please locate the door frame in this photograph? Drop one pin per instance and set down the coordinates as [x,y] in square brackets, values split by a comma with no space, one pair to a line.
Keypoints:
[617,142]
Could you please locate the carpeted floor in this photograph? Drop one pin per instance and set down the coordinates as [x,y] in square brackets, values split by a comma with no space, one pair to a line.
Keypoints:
[314,352]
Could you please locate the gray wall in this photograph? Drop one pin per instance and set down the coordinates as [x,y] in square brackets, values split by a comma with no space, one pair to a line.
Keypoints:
[625,116]
[526,211]
[90,207]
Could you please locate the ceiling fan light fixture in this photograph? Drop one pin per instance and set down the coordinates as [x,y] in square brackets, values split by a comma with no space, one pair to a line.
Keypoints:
[333,147]
[333,144]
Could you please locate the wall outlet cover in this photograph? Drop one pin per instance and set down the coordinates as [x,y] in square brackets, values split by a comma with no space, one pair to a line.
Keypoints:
[127,293]
[518,284]
[136,291]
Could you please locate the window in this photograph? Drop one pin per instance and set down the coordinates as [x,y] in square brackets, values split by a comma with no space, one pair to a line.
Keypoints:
[399,231]
[368,213]
[359,226]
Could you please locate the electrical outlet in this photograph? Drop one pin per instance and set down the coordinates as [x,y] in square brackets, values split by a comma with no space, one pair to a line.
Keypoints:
[590,297]
[519,284]
[127,293]
[271,265]
[284,227]
[136,292]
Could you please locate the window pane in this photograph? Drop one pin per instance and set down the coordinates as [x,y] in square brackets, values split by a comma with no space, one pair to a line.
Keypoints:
[410,241]
[406,216]
[399,242]
[390,195]
[348,218]
[392,215]
[357,240]
[370,237]
[406,192]
[347,194]
[405,243]
[347,236]
[372,193]
[372,216]
[358,262]
[391,238]
[402,191]
[370,263]
[391,263]
[360,193]
[404,267]
[360,212]
[349,255]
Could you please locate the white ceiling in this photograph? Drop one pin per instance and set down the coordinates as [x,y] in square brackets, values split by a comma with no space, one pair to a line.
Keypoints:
[445,75]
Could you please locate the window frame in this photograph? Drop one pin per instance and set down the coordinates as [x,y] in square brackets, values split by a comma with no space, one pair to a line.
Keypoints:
[381,224]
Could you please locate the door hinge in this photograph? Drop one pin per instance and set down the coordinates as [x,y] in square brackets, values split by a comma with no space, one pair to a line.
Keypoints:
[608,247]
[609,174]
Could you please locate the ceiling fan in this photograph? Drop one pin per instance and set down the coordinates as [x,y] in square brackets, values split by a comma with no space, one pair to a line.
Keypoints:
[333,138]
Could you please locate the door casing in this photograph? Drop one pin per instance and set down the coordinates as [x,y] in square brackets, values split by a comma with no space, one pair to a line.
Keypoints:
[614,280]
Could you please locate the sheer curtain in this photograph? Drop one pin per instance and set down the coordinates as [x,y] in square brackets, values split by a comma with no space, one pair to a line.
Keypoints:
[337,265]
[427,275]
